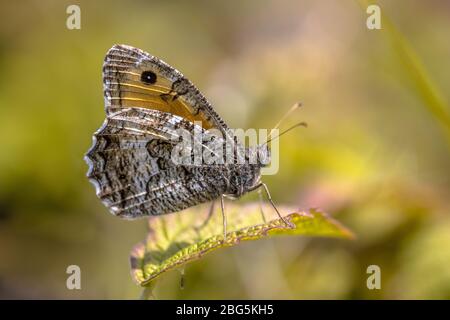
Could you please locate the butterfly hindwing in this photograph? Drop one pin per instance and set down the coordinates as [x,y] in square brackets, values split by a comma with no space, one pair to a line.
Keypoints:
[131,167]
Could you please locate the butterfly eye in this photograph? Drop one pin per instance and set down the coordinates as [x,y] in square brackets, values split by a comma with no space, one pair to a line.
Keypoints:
[148,77]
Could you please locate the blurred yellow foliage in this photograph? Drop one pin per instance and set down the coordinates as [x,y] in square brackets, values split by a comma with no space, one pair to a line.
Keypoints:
[373,156]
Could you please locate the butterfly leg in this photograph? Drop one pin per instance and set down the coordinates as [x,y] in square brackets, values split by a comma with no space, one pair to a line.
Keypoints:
[261,205]
[262,184]
[224,218]
[182,271]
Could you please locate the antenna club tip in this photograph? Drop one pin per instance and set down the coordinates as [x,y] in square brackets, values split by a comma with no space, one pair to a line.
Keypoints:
[298,104]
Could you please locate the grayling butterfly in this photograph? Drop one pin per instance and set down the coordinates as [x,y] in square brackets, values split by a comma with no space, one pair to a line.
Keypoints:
[131,164]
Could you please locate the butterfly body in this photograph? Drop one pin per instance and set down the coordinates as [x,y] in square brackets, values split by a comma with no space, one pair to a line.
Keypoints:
[148,103]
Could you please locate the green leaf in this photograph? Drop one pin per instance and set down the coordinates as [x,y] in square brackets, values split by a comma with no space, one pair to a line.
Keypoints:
[179,238]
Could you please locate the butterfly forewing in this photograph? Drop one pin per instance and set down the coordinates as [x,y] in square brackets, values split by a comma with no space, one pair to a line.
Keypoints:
[134,78]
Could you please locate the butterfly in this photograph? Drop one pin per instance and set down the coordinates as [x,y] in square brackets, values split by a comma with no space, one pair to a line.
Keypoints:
[130,164]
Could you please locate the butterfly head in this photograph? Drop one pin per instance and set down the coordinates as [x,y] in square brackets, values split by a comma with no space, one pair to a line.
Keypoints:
[247,177]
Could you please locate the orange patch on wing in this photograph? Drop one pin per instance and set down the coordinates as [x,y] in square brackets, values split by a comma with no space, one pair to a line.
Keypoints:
[158,96]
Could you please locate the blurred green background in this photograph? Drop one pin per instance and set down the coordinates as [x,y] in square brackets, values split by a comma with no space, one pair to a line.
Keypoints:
[375,155]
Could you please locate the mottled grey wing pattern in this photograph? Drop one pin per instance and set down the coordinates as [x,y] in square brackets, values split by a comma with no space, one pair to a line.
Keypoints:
[130,165]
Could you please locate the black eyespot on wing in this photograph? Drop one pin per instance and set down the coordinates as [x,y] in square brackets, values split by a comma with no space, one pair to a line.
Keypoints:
[148,77]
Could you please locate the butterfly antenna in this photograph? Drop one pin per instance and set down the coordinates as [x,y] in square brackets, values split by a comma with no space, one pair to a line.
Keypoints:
[300,124]
[287,114]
